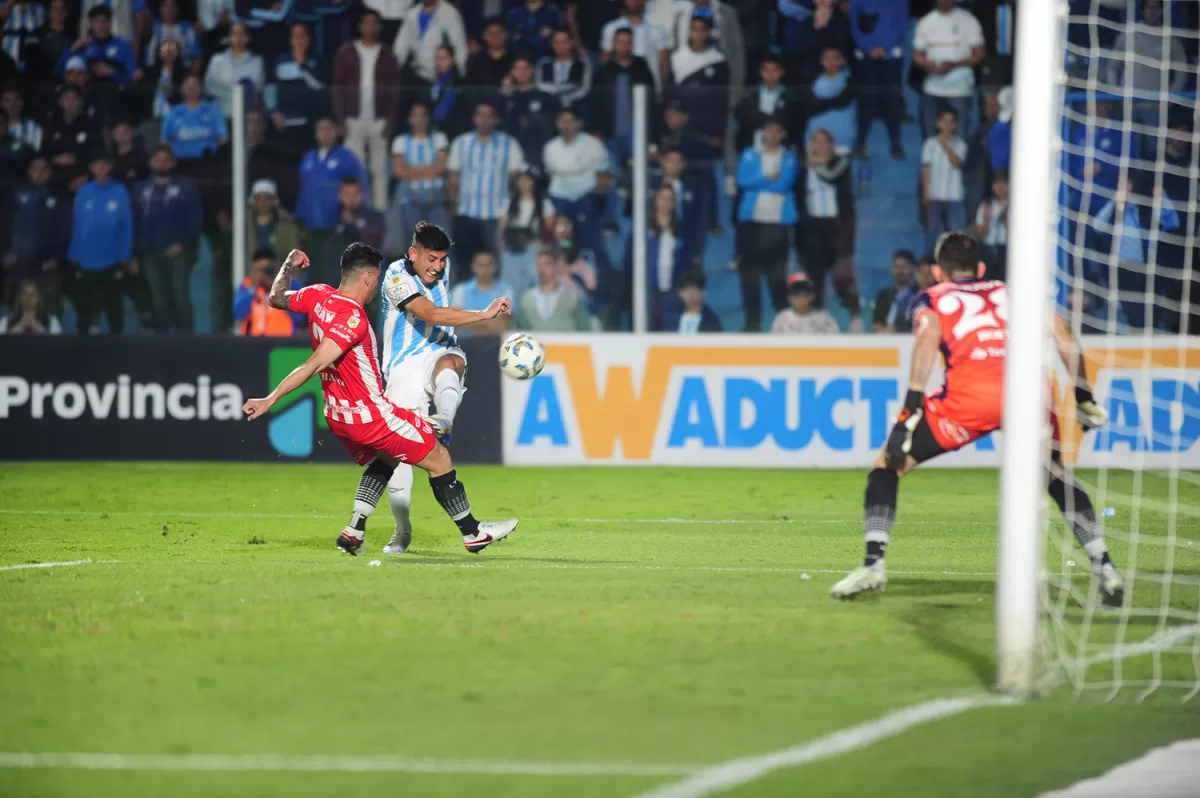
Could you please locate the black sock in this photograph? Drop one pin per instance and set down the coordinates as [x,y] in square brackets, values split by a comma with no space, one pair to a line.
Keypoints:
[1079,514]
[371,486]
[451,494]
[879,511]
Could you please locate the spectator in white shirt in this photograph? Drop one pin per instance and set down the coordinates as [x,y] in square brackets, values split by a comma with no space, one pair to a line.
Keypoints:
[948,44]
[991,227]
[649,40]
[428,25]
[577,164]
[235,65]
[942,179]
[800,318]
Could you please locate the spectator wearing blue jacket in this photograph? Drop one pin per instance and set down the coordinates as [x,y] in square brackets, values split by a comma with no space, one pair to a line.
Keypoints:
[879,28]
[101,246]
[195,128]
[532,25]
[168,215]
[32,245]
[299,91]
[766,175]
[668,257]
[322,171]
[109,58]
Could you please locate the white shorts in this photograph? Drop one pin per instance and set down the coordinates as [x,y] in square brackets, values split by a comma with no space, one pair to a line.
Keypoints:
[410,382]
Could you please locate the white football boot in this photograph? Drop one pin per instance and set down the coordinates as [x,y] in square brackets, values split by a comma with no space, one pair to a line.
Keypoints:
[860,580]
[489,532]
[401,540]
[1110,585]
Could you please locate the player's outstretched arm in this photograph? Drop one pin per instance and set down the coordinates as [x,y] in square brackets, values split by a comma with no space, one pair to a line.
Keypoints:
[324,355]
[928,337]
[425,310]
[1090,414]
[280,289]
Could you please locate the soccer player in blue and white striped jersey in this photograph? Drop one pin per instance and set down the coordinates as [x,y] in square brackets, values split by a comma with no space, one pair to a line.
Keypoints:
[423,365]
[24,20]
[19,127]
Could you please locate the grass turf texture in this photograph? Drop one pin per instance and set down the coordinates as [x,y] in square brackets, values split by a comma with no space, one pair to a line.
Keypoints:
[574,641]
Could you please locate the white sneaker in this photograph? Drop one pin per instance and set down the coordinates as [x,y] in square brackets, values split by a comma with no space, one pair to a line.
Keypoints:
[399,543]
[489,532]
[1110,585]
[860,580]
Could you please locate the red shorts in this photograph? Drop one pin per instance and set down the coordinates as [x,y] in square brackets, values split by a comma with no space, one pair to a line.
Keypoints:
[956,420]
[955,423]
[404,436]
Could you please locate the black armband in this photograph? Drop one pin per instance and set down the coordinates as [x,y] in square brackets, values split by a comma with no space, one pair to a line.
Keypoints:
[1083,394]
[914,400]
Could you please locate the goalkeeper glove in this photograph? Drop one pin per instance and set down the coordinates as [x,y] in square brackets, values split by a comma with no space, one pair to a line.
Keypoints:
[899,442]
[1089,414]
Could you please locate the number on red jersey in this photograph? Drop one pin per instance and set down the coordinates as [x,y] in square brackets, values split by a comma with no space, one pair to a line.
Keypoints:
[973,318]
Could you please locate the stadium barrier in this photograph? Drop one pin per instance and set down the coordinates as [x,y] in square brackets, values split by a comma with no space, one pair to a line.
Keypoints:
[763,401]
[180,398]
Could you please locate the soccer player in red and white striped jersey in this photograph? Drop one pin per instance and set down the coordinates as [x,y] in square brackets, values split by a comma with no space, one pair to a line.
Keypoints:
[376,432]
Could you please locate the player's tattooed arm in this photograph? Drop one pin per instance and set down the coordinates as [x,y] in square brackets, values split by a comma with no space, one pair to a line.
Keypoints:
[280,289]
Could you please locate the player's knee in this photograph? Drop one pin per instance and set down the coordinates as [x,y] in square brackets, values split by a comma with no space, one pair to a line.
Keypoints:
[437,462]
[382,466]
[453,363]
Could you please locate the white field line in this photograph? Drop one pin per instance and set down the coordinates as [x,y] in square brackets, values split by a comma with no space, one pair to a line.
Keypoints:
[799,521]
[24,566]
[736,772]
[327,764]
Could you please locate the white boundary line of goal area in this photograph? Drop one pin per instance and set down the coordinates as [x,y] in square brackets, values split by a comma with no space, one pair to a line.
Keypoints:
[736,772]
[61,564]
[698,780]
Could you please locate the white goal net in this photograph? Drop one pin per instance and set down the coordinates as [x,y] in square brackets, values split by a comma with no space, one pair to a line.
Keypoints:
[1127,276]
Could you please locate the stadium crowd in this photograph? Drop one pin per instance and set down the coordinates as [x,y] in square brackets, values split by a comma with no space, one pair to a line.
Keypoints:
[510,122]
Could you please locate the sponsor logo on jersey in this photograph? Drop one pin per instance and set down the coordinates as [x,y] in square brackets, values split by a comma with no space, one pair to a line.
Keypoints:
[353,322]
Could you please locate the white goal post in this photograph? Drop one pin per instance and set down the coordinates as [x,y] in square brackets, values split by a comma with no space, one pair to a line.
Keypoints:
[1032,218]
[1103,230]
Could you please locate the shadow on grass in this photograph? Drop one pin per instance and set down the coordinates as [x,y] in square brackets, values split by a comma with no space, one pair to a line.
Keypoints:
[940,627]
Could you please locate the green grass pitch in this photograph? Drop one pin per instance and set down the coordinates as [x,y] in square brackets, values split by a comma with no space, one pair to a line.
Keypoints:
[636,616]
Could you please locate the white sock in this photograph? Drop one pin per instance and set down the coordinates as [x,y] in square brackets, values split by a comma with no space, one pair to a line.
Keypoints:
[447,393]
[399,492]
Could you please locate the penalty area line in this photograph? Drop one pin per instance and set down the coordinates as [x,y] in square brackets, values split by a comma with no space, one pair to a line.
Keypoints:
[62,564]
[736,772]
[331,764]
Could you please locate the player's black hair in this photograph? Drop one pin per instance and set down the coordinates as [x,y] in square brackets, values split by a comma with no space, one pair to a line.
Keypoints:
[906,254]
[693,279]
[958,253]
[360,256]
[263,253]
[430,236]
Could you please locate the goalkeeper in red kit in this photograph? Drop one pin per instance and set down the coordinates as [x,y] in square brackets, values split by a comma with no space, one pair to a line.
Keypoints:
[965,317]
[377,433]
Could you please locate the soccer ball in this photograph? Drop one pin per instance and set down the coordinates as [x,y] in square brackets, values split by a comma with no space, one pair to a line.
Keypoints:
[522,356]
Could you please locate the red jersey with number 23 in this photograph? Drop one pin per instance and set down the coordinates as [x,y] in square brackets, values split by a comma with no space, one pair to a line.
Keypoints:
[973,318]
